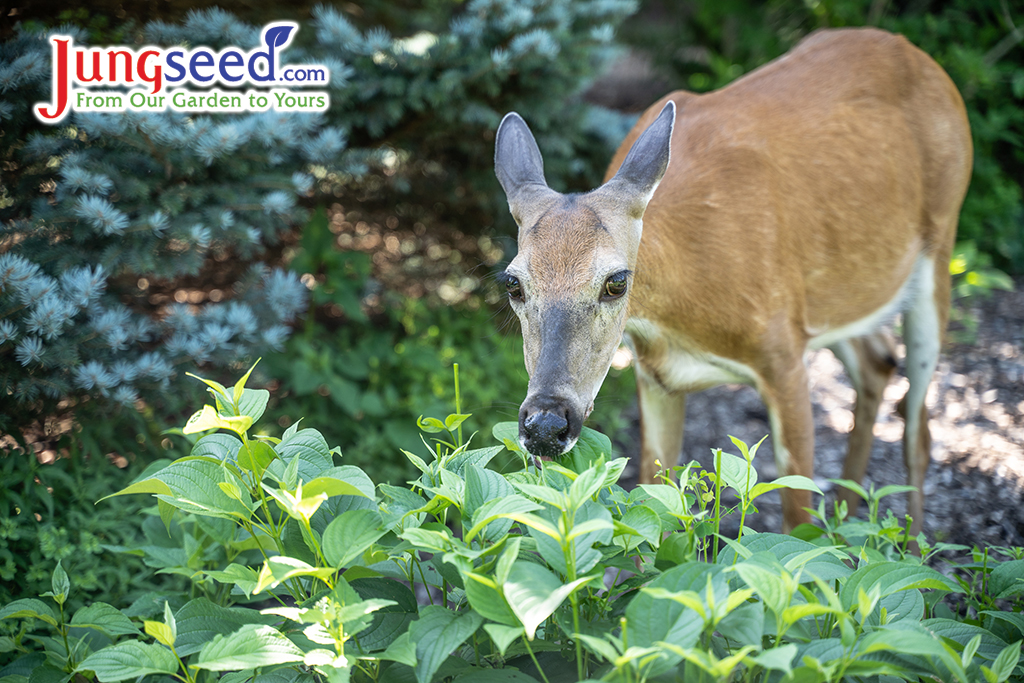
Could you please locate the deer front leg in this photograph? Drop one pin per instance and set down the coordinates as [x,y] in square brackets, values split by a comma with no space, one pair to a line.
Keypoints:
[786,394]
[662,414]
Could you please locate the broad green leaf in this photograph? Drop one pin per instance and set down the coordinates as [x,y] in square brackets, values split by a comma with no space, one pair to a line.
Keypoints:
[219,446]
[588,483]
[483,485]
[584,553]
[1006,662]
[768,584]
[398,504]
[251,646]
[254,458]
[736,473]
[534,593]
[332,486]
[253,403]
[391,622]
[503,636]
[486,598]
[349,535]
[508,434]
[650,621]
[900,606]
[28,608]
[354,476]
[60,584]
[590,446]
[128,660]
[240,384]
[281,568]
[792,481]
[208,418]
[639,524]
[667,495]
[508,507]
[1014,620]
[199,620]
[913,642]
[1007,580]
[245,578]
[792,552]
[104,618]
[795,613]
[599,646]
[452,422]
[988,648]
[309,446]
[192,485]
[160,631]
[401,650]
[430,425]
[437,633]
[969,650]
[215,388]
[777,659]
[745,624]
[892,577]
[545,494]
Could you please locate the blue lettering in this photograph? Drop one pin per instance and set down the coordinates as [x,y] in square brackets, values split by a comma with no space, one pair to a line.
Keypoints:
[173,63]
[275,37]
[231,58]
[200,58]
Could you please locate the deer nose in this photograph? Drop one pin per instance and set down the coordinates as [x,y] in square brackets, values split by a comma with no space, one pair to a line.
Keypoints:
[545,433]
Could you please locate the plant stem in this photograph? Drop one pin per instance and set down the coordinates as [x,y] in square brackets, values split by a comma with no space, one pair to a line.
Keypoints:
[718,503]
[526,642]
[458,400]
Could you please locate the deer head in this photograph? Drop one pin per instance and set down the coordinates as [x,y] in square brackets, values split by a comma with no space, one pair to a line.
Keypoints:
[569,284]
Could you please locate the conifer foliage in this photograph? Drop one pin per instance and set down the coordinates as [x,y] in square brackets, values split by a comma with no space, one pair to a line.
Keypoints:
[95,210]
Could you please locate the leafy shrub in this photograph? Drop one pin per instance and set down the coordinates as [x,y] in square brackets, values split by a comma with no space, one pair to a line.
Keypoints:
[708,45]
[48,514]
[553,574]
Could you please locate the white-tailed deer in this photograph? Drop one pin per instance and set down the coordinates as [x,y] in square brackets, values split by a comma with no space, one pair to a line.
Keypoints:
[805,205]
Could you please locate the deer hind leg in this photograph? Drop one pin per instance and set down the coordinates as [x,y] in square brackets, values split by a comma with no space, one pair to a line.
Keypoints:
[870,362]
[923,324]
[662,414]
[784,388]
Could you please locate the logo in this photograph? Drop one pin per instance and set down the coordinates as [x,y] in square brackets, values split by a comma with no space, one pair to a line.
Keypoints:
[118,79]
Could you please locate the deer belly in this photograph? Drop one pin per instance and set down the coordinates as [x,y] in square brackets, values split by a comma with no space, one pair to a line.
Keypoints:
[823,336]
[677,368]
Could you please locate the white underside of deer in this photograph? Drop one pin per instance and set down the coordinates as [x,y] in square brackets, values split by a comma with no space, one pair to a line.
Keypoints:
[805,206]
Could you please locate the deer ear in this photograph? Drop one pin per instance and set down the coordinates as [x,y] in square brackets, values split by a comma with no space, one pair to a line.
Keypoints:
[644,166]
[520,169]
[517,160]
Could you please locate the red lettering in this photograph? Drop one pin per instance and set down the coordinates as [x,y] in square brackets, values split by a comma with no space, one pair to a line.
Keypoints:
[61,82]
[157,78]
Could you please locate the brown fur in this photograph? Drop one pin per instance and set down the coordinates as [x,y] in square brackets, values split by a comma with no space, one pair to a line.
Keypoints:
[797,200]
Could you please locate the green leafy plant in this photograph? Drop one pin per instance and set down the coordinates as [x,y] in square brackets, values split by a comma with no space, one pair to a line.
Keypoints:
[551,572]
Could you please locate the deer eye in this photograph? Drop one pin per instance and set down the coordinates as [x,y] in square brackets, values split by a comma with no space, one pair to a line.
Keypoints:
[614,286]
[514,289]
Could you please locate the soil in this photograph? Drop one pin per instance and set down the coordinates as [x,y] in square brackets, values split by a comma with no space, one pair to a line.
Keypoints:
[975,484]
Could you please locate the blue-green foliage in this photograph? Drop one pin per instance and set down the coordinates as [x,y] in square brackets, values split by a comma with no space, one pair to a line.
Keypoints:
[105,218]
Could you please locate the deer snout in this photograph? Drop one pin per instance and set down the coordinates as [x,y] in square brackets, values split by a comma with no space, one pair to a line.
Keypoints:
[548,428]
